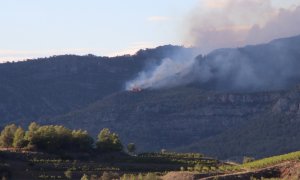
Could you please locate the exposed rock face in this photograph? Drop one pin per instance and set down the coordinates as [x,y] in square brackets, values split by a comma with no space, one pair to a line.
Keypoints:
[198,121]
[272,129]
[289,103]
[154,121]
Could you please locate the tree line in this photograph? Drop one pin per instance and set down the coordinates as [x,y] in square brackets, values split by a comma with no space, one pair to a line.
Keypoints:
[56,138]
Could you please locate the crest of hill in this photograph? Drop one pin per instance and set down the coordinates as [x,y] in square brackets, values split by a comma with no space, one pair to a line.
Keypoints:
[46,87]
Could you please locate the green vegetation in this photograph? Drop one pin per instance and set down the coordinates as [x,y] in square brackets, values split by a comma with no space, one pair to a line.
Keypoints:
[272,160]
[251,164]
[68,173]
[19,138]
[7,136]
[148,176]
[108,141]
[131,148]
[146,166]
[56,139]
[248,159]
[80,91]
[84,177]
[186,159]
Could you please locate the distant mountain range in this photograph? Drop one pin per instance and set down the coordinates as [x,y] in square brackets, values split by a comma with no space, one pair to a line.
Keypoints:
[227,115]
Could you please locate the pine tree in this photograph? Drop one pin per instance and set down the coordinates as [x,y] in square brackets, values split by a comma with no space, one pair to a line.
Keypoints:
[19,139]
[108,142]
[7,135]
[84,177]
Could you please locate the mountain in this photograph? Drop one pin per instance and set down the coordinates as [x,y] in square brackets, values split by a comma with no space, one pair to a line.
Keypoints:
[247,104]
[169,118]
[46,87]
[264,67]
[273,132]
[214,117]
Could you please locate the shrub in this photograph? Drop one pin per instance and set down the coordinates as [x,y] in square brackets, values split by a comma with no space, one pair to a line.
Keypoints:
[84,177]
[131,148]
[109,176]
[248,159]
[68,173]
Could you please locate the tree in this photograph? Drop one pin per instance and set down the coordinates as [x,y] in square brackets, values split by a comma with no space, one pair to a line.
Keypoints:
[52,138]
[108,141]
[32,129]
[84,177]
[82,140]
[106,176]
[19,139]
[131,148]
[248,159]
[68,173]
[104,135]
[7,135]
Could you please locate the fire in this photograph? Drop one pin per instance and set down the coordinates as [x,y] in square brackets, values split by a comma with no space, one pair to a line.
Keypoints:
[136,89]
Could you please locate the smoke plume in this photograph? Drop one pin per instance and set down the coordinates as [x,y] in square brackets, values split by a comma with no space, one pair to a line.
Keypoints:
[235,23]
[228,24]
[169,73]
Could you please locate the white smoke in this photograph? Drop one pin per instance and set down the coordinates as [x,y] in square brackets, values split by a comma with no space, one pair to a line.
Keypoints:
[234,23]
[228,23]
[169,73]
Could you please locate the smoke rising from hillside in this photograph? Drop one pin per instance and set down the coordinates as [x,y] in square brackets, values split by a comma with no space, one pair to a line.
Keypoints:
[272,66]
[169,73]
[233,23]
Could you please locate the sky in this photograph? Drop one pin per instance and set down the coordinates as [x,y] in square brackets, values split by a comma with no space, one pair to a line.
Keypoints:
[41,28]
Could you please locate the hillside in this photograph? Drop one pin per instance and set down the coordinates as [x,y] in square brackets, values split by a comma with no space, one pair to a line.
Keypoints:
[46,87]
[242,101]
[215,117]
[285,166]
[156,166]
[223,125]
[273,132]
[170,118]
[38,165]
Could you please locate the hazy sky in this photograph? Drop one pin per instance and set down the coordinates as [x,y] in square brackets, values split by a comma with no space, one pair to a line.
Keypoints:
[37,28]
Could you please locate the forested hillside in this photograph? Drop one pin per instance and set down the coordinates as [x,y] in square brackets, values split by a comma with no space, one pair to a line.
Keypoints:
[170,118]
[273,132]
[246,104]
[42,88]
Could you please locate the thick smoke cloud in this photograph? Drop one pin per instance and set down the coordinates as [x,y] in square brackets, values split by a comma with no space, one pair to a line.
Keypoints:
[169,73]
[234,23]
[272,66]
[286,23]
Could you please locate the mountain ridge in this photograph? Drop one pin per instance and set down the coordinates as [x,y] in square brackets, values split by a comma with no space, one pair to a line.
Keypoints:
[88,92]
